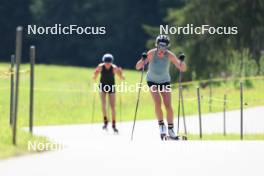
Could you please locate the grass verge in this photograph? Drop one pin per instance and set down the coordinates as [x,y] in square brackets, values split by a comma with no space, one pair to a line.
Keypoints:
[228,137]
[7,149]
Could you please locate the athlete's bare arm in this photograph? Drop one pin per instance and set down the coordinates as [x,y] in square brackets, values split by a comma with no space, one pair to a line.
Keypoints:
[174,59]
[119,72]
[97,71]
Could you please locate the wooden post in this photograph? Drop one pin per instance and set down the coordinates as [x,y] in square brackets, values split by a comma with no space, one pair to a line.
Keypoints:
[210,93]
[31,98]
[18,53]
[183,113]
[199,111]
[224,117]
[241,111]
[12,89]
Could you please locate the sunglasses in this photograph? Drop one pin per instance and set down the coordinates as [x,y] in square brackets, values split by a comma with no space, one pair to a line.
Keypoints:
[162,46]
[108,60]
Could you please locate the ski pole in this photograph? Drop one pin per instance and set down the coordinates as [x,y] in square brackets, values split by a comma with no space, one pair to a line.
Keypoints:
[108,106]
[183,113]
[179,102]
[180,98]
[120,97]
[144,55]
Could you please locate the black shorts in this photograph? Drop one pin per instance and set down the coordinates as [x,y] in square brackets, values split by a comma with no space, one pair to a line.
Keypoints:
[161,87]
[107,88]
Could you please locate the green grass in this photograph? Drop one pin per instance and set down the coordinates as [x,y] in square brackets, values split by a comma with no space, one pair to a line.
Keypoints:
[7,149]
[216,136]
[63,95]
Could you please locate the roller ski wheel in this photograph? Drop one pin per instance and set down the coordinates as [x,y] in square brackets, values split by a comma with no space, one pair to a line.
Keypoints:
[176,138]
[184,138]
[163,137]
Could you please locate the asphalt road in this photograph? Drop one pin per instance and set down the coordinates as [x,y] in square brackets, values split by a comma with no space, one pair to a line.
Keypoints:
[90,151]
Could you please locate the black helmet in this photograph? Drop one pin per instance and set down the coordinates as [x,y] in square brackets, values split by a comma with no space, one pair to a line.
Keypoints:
[163,39]
[108,58]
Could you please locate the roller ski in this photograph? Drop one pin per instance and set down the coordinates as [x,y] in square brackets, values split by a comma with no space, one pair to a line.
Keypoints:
[163,132]
[171,134]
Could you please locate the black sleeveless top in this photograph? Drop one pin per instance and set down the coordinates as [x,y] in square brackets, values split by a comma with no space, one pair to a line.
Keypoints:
[107,76]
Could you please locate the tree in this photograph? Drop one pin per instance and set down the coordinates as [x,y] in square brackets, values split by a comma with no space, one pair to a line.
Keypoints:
[12,14]
[212,53]
[125,37]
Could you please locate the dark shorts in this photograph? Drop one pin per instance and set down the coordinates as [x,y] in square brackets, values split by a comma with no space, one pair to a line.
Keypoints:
[161,87]
[107,88]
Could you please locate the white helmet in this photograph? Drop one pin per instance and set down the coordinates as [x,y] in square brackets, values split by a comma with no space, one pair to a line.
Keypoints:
[163,40]
[109,58]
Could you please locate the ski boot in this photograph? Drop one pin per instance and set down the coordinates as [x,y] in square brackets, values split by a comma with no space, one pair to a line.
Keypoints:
[172,135]
[114,127]
[115,130]
[105,125]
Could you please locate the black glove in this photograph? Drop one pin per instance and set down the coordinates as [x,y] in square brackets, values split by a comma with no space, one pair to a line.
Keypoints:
[144,55]
[181,57]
